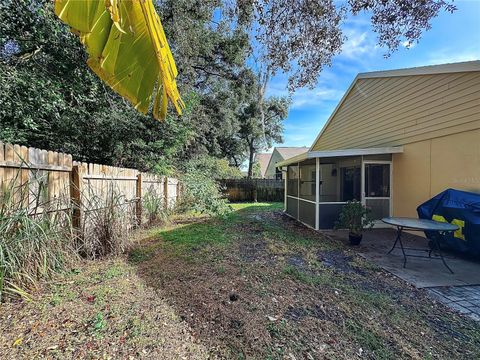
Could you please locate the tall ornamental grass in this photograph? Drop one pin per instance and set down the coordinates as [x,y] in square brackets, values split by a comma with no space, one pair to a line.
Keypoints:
[154,208]
[35,236]
[108,220]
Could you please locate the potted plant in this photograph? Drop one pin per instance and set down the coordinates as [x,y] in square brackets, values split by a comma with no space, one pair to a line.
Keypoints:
[355,217]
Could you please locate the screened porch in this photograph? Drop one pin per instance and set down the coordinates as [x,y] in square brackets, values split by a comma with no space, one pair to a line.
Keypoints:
[319,184]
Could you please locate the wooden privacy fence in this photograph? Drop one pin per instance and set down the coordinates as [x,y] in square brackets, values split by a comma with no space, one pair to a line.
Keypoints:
[253,189]
[51,176]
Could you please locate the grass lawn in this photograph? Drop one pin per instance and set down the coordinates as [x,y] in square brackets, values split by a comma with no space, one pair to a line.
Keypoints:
[253,285]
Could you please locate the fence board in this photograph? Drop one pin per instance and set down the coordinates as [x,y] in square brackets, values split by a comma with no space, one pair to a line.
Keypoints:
[52,176]
[9,172]
[239,190]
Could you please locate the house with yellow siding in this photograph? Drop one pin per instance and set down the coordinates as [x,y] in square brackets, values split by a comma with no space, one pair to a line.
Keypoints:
[396,139]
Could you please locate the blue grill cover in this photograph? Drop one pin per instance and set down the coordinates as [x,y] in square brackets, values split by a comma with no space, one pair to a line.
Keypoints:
[460,208]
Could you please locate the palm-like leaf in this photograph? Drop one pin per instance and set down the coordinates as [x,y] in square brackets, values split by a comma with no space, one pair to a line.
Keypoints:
[127,49]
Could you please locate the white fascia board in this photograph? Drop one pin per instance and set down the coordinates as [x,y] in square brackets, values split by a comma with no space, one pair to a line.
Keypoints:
[292,160]
[340,153]
[355,152]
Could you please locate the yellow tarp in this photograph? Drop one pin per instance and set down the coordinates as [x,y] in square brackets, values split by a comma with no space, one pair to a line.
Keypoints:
[127,49]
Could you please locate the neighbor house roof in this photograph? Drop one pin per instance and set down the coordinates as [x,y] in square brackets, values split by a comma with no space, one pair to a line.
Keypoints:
[281,153]
[288,152]
[460,67]
[263,160]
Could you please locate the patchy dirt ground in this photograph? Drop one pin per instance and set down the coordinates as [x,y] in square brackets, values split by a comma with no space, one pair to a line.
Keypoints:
[263,286]
[253,285]
[101,310]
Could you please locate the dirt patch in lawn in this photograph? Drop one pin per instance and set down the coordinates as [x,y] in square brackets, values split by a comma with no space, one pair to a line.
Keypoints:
[269,288]
[337,260]
[101,309]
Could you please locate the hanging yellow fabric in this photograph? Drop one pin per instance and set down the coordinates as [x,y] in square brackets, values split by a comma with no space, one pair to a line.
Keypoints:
[127,49]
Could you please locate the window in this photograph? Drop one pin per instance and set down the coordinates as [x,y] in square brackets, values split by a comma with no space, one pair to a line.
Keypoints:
[377,180]
[278,175]
[328,183]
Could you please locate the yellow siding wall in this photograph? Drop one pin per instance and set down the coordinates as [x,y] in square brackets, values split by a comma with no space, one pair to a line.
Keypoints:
[428,167]
[400,110]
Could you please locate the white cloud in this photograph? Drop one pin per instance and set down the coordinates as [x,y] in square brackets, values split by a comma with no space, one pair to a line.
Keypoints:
[305,97]
[358,44]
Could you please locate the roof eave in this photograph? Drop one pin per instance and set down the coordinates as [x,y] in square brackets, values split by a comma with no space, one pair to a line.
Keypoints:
[341,153]
[292,160]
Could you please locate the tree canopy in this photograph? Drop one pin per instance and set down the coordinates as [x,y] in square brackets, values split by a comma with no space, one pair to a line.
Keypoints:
[50,99]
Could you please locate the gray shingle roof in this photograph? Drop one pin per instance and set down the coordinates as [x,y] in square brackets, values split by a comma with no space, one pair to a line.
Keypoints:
[263,160]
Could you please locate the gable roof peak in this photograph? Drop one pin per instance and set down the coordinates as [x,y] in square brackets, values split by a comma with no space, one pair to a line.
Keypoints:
[465,66]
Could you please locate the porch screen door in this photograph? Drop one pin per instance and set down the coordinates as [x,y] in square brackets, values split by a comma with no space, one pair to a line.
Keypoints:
[377,188]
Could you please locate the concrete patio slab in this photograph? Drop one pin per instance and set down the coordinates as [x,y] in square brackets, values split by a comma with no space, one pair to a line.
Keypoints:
[464,299]
[459,291]
[419,272]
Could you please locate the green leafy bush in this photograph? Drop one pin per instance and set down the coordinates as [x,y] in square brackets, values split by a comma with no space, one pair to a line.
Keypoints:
[202,194]
[213,168]
[355,217]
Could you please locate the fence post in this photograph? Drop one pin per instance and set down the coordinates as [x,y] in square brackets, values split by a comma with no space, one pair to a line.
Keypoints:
[138,205]
[179,189]
[165,192]
[76,197]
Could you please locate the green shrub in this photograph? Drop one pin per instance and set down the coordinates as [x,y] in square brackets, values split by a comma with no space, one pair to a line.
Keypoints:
[202,194]
[355,217]
[213,168]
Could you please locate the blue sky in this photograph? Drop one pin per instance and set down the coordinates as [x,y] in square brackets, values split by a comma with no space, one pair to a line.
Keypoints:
[452,38]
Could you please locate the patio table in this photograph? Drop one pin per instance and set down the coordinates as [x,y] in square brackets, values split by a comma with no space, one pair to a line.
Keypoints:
[402,223]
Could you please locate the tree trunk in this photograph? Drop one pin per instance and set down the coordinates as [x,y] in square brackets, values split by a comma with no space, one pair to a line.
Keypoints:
[251,155]
[235,161]
[262,88]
